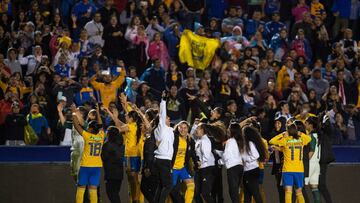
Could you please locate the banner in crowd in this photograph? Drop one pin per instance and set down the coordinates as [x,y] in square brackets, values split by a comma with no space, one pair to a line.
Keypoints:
[197,51]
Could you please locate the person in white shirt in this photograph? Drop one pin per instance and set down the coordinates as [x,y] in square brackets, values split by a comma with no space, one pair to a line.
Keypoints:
[164,136]
[95,30]
[203,149]
[254,152]
[232,159]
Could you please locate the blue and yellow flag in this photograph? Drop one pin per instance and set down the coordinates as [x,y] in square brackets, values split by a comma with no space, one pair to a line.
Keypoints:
[197,51]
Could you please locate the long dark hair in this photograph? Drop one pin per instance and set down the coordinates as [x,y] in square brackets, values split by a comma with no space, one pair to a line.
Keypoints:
[293,130]
[136,118]
[216,130]
[251,134]
[235,132]
[114,135]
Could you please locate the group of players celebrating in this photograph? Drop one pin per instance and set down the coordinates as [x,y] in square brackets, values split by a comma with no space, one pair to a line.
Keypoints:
[184,163]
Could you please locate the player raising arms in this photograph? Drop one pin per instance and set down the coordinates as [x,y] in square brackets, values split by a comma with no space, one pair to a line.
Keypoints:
[91,163]
[291,143]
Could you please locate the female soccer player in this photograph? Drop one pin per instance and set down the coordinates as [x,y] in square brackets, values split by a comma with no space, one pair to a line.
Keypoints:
[181,159]
[90,166]
[311,124]
[292,143]
[132,130]
[254,152]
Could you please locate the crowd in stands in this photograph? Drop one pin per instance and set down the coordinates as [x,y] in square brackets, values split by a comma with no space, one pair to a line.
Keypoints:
[278,58]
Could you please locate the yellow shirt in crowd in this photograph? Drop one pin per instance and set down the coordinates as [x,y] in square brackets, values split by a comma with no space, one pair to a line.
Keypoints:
[108,92]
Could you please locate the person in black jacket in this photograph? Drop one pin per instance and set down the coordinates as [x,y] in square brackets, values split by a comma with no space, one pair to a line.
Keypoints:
[181,163]
[14,126]
[326,154]
[112,157]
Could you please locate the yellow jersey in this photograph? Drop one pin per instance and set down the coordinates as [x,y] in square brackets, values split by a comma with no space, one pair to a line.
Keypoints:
[262,164]
[293,151]
[92,149]
[108,92]
[181,153]
[131,145]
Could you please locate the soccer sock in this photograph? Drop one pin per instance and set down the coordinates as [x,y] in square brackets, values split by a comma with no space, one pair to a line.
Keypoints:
[316,195]
[141,197]
[300,198]
[80,191]
[288,196]
[93,195]
[189,194]
[262,193]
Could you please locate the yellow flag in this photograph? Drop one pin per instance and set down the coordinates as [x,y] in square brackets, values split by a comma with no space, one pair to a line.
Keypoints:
[197,51]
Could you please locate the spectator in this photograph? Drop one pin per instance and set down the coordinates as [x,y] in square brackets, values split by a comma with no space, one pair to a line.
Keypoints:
[114,39]
[253,24]
[153,28]
[127,14]
[107,11]
[231,21]
[274,26]
[40,125]
[341,11]
[155,77]
[12,63]
[261,75]
[14,126]
[317,83]
[173,76]
[95,30]
[84,11]
[299,10]
[158,50]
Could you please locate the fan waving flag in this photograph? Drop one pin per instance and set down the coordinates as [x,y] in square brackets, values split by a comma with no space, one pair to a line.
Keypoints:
[197,51]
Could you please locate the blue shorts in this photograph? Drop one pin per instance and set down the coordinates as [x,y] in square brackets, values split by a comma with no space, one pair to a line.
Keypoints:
[261,176]
[134,163]
[293,179]
[180,174]
[89,176]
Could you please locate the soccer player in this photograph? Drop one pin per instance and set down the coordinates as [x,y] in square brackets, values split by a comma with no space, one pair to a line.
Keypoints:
[91,163]
[292,143]
[181,159]
[314,155]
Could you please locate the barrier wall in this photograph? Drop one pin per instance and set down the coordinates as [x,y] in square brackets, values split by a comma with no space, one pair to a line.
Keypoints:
[44,177]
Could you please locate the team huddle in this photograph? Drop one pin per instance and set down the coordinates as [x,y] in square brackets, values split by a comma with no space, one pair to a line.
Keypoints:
[183,162]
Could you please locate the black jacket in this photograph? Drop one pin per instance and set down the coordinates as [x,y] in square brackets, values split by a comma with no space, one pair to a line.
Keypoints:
[190,152]
[149,148]
[325,140]
[14,126]
[112,157]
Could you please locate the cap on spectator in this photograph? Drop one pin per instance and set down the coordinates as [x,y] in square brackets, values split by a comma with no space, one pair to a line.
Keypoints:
[197,26]
[275,13]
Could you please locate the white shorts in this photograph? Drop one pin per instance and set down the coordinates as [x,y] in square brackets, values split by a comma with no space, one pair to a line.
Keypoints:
[314,173]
